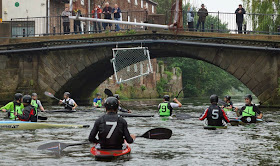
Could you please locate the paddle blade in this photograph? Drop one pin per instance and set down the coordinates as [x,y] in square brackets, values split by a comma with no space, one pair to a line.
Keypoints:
[158,133]
[49,94]
[108,92]
[53,146]
[42,118]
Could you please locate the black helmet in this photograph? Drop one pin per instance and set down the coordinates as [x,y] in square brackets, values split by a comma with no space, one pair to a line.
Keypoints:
[34,94]
[98,94]
[248,96]
[18,96]
[166,97]
[26,99]
[228,97]
[111,103]
[214,98]
[117,96]
[67,94]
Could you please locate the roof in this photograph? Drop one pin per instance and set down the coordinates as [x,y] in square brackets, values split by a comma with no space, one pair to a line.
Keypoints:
[155,3]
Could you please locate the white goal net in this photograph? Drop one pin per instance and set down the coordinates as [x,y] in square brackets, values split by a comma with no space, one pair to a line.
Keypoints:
[131,63]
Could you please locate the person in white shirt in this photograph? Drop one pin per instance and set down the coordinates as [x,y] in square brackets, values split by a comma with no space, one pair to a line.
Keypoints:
[68,103]
[166,108]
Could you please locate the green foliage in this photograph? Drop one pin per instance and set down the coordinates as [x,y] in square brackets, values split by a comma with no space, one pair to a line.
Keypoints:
[169,75]
[203,79]
[161,86]
[143,88]
[121,87]
[130,32]
[261,22]
[178,71]
[160,63]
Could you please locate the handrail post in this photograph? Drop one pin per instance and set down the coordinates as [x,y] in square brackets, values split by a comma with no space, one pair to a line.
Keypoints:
[27,26]
[218,21]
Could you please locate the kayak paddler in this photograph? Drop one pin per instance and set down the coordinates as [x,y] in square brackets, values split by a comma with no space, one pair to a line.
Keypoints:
[111,129]
[69,104]
[29,112]
[214,114]
[166,108]
[97,102]
[120,108]
[249,111]
[228,106]
[36,103]
[14,106]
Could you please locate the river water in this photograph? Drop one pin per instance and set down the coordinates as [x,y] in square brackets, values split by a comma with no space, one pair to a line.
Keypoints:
[190,144]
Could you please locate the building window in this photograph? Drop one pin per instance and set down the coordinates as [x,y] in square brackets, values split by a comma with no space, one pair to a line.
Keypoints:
[147,5]
[136,3]
[153,9]
[82,2]
[128,1]
[142,4]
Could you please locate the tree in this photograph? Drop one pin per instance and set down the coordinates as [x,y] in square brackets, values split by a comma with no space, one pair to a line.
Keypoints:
[265,14]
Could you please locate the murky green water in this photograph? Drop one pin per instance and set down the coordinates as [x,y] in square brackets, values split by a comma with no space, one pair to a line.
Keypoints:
[190,144]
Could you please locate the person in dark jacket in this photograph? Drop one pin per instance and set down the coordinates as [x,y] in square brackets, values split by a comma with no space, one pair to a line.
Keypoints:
[117,16]
[240,11]
[202,14]
[28,113]
[214,114]
[77,23]
[107,11]
[111,129]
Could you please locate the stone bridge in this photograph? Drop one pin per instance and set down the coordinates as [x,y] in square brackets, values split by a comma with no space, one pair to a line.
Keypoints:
[79,63]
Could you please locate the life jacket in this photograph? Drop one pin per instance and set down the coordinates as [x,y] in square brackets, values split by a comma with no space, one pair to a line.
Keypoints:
[215,116]
[32,115]
[35,105]
[99,103]
[165,109]
[227,109]
[249,111]
[67,105]
[17,108]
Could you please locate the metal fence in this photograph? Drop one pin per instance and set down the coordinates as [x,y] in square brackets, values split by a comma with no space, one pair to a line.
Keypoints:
[215,22]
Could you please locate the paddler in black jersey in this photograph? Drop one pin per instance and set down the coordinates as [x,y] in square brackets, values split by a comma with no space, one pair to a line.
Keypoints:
[228,106]
[120,108]
[69,104]
[214,114]
[166,108]
[29,112]
[249,111]
[111,129]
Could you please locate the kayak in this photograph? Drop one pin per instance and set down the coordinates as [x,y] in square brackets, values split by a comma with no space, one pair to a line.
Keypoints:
[134,115]
[21,125]
[214,127]
[108,153]
[237,121]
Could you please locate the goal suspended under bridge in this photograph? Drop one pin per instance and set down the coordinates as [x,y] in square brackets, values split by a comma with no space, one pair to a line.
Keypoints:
[131,63]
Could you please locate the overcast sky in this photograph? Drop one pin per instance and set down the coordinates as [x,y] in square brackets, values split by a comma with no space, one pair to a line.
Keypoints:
[217,5]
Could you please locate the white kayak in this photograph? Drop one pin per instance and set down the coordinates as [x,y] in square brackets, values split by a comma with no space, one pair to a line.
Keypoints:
[21,125]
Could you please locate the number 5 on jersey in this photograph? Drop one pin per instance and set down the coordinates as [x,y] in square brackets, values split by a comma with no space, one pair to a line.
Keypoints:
[215,114]
[114,125]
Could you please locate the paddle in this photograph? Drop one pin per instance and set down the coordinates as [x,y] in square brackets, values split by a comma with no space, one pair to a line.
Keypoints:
[109,93]
[180,92]
[156,133]
[52,96]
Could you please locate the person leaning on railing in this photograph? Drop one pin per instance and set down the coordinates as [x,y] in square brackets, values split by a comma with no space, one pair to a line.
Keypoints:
[202,14]
[96,13]
[77,23]
[66,21]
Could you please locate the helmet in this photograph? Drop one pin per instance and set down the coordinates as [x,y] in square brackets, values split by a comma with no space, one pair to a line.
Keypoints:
[214,98]
[34,94]
[117,96]
[26,99]
[248,96]
[67,94]
[98,94]
[18,96]
[166,97]
[111,103]
[228,97]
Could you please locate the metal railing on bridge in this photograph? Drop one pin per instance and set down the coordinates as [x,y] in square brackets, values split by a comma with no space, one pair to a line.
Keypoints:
[215,22]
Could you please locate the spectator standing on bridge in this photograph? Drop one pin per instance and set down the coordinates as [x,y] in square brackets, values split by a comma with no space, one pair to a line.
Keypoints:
[96,13]
[117,16]
[77,23]
[107,11]
[190,18]
[240,11]
[66,21]
[202,14]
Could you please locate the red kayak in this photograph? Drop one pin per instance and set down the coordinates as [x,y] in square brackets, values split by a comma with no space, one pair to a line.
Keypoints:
[108,153]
